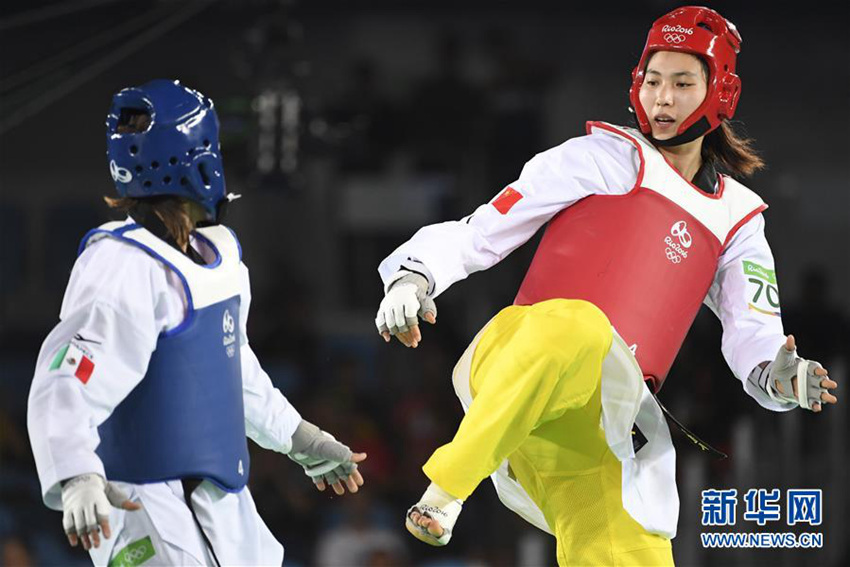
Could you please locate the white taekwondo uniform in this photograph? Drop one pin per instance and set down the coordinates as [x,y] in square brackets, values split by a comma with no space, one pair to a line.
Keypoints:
[120,300]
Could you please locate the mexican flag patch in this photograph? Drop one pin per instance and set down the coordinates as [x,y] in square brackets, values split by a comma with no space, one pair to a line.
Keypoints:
[72,358]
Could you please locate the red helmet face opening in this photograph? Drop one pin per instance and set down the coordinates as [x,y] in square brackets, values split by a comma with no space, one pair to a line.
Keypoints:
[713,39]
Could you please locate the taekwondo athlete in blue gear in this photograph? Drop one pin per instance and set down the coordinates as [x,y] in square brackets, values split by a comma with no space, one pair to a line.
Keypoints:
[181,428]
[149,380]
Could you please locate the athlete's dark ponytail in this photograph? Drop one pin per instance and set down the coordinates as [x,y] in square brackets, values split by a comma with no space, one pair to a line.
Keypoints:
[724,149]
[170,209]
[734,154]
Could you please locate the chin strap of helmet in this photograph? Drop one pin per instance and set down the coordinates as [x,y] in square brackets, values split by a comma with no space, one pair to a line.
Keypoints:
[700,128]
[221,210]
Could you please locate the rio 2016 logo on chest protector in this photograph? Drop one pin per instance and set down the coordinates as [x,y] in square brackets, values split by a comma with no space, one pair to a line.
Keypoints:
[677,251]
[228,325]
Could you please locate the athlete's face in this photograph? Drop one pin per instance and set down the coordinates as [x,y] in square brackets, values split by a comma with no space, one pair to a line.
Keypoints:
[674,86]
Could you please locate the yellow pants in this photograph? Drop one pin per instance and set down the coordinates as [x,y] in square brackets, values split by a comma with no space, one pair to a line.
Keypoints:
[535,381]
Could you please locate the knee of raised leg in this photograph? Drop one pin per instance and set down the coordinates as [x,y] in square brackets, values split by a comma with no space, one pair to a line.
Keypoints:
[572,322]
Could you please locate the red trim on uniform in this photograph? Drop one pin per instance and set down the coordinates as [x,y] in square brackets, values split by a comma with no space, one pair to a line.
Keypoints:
[592,123]
[742,222]
[507,199]
[721,184]
[84,370]
[717,195]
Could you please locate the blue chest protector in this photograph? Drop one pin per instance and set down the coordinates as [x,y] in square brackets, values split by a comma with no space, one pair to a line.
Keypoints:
[186,418]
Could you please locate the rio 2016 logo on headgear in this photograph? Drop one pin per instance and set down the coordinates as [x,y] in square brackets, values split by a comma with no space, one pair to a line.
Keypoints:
[677,29]
[120,174]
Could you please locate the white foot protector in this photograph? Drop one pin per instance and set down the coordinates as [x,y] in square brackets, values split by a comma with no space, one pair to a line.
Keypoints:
[438,505]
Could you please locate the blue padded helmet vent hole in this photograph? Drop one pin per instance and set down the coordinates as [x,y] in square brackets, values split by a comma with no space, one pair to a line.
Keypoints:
[202,169]
[139,169]
[147,183]
[184,181]
[154,165]
[172,160]
[166,180]
[206,143]
[134,150]
[133,121]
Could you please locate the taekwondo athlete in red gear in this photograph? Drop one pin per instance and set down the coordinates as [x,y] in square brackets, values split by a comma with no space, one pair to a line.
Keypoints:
[146,391]
[641,231]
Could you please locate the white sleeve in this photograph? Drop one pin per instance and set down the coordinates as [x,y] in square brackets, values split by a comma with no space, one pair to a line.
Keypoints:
[270,420]
[745,297]
[549,182]
[107,319]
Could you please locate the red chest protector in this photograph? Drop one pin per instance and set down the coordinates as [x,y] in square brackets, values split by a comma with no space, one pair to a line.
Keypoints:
[646,258]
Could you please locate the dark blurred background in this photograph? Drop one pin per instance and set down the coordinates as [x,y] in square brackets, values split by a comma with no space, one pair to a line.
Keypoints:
[348,125]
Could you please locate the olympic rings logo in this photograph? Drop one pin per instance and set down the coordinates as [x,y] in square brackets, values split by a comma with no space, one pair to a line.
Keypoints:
[135,556]
[680,231]
[675,38]
[120,174]
[673,256]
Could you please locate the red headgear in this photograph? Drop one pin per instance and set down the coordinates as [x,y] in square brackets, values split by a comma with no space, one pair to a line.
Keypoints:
[714,39]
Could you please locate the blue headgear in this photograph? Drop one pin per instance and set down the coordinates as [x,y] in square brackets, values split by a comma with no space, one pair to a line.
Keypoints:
[179,154]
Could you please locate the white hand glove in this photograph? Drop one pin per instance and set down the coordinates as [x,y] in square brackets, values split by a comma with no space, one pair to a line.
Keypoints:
[324,459]
[406,298]
[433,518]
[784,369]
[86,502]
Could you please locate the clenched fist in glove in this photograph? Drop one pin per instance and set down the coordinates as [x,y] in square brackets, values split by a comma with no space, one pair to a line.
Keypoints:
[325,460]
[406,301]
[797,380]
[86,502]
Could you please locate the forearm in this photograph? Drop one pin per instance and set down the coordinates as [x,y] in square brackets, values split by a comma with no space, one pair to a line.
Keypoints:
[745,297]
[270,420]
[62,434]
[446,253]
[453,250]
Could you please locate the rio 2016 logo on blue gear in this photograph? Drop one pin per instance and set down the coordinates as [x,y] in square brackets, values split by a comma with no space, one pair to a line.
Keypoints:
[119,174]
[228,325]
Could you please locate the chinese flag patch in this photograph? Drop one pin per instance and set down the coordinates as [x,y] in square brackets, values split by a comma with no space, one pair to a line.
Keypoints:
[507,199]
